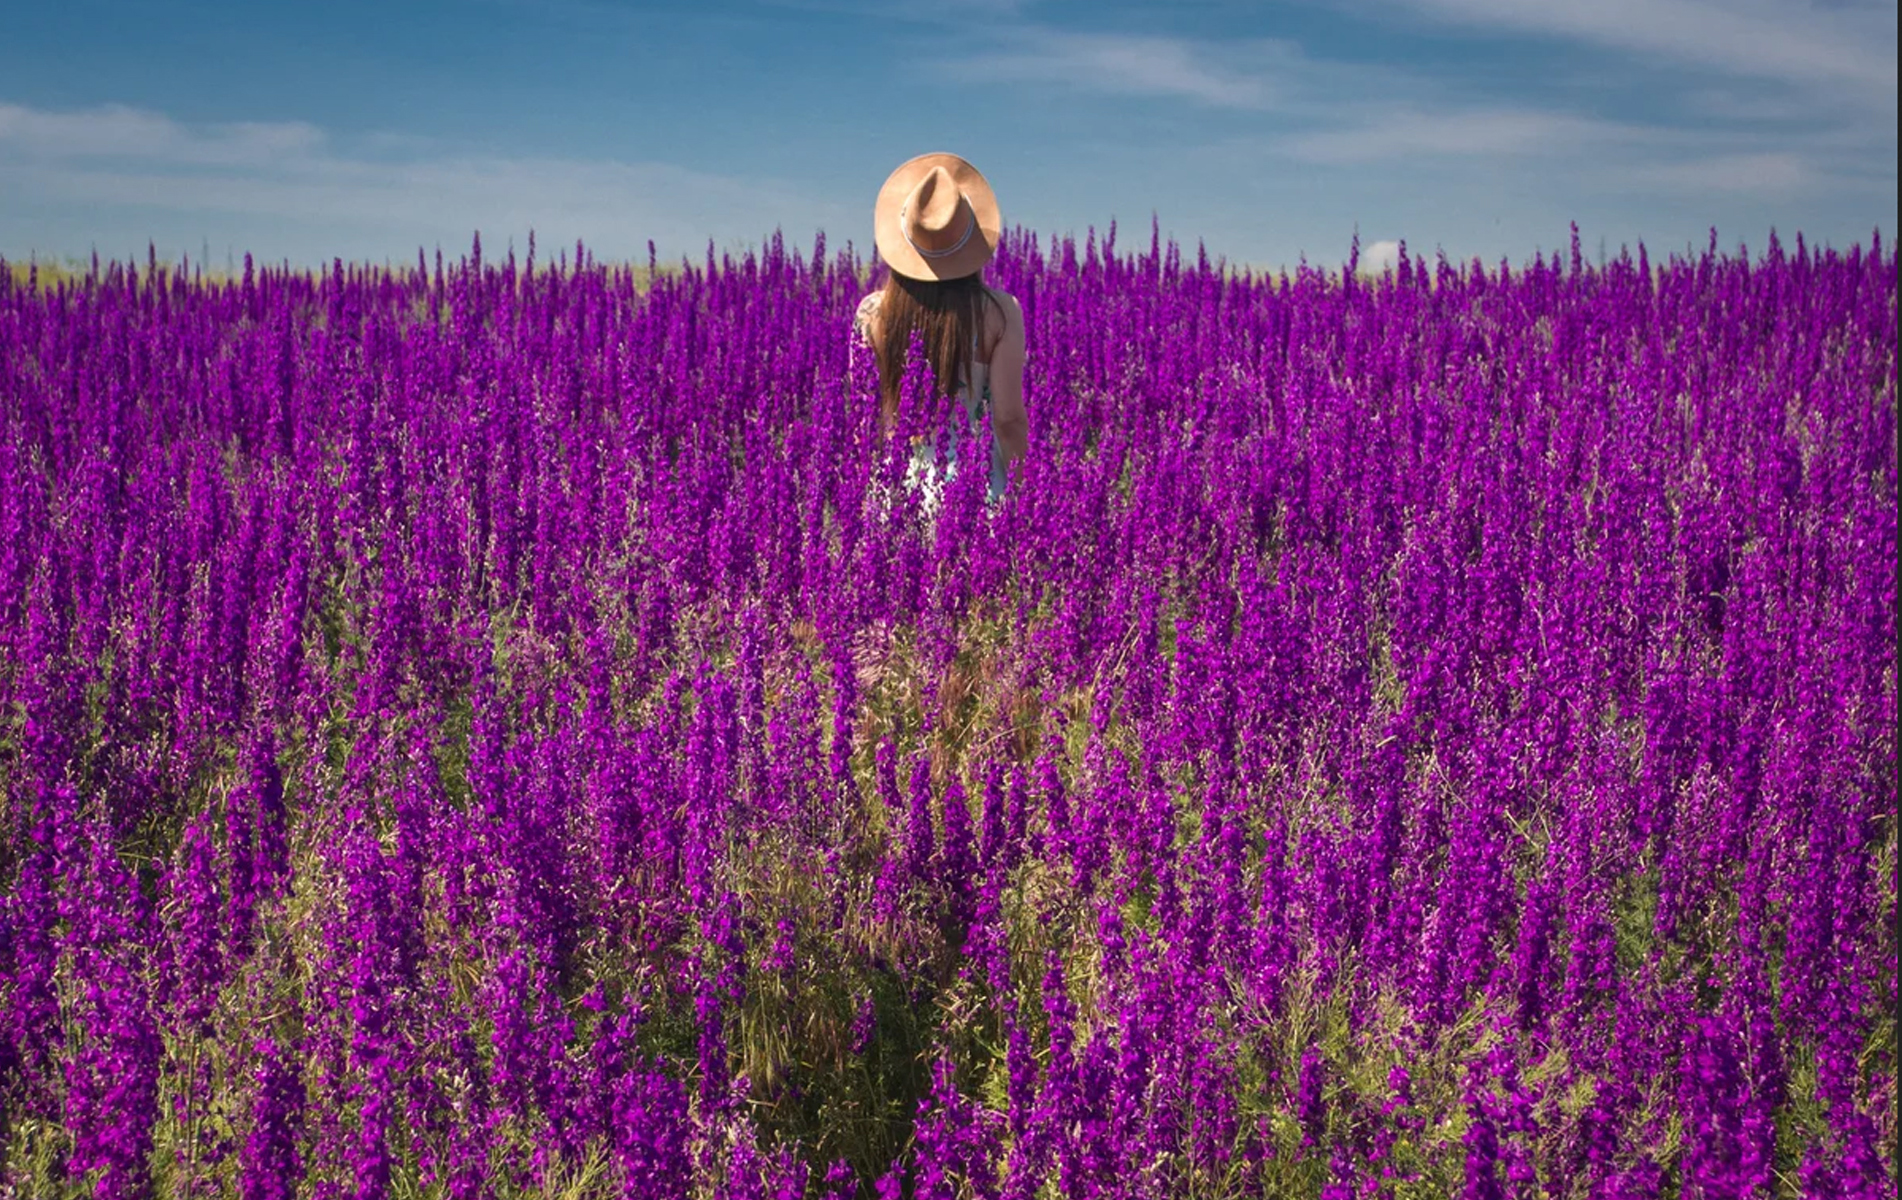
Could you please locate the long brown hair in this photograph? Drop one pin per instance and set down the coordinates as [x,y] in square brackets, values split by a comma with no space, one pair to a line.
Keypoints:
[950,315]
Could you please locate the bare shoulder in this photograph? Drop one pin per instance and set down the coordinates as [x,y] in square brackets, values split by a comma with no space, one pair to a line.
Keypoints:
[1012,311]
[1012,314]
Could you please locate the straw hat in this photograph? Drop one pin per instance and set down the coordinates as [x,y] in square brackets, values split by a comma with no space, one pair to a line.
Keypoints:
[936,218]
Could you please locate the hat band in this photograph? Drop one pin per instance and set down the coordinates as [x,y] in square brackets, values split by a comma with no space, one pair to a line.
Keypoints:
[904,230]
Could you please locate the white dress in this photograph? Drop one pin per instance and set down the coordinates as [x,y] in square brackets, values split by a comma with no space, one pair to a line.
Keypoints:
[924,477]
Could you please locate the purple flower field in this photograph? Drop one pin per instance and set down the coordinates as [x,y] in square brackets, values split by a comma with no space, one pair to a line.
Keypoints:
[500,730]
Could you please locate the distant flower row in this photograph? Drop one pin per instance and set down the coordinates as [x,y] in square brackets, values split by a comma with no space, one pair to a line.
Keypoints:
[500,730]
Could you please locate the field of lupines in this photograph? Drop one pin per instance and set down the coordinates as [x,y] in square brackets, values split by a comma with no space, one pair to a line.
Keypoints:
[487,730]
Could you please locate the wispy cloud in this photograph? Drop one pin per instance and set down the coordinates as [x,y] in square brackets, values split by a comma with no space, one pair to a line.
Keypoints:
[1389,132]
[1591,155]
[1775,173]
[400,189]
[1738,135]
[1238,78]
[114,130]
[1848,48]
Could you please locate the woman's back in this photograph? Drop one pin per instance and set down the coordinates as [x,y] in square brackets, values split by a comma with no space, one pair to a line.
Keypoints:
[926,473]
[936,224]
[974,384]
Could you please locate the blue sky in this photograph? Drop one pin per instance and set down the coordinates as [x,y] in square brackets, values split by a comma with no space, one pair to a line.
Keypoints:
[1269,131]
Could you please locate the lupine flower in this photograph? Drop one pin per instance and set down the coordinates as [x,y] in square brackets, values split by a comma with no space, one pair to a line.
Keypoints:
[270,1162]
[458,719]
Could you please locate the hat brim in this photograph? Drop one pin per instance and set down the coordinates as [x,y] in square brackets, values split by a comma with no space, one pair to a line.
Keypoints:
[889,237]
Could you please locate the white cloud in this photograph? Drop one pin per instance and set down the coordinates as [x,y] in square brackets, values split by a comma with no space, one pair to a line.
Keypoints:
[1767,144]
[1133,65]
[1593,155]
[1376,133]
[394,192]
[1773,174]
[1380,257]
[116,130]
[1848,49]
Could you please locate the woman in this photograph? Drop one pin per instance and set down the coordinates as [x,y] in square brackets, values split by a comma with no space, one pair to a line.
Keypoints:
[936,224]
